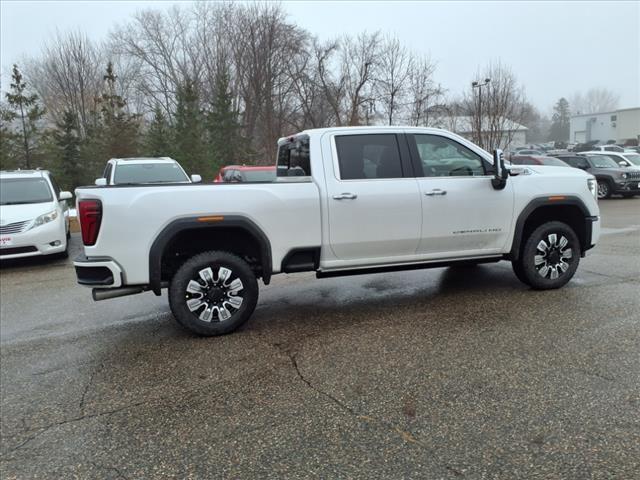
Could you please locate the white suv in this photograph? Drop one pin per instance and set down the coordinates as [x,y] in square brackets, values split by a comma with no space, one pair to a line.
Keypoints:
[134,171]
[33,215]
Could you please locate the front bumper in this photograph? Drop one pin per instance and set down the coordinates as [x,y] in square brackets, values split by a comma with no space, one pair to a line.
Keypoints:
[46,239]
[627,187]
[98,272]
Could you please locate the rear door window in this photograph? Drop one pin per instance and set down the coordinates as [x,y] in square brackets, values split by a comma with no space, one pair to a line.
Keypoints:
[368,156]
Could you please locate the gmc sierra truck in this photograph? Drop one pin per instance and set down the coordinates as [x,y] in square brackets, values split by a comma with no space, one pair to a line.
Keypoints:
[345,201]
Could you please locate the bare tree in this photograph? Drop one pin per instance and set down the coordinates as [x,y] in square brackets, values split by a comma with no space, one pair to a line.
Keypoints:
[497,110]
[68,76]
[426,98]
[164,46]
[395,72]
[594,100]
[359,64]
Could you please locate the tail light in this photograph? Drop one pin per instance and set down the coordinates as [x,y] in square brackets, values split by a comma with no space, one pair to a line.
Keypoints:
[90,216]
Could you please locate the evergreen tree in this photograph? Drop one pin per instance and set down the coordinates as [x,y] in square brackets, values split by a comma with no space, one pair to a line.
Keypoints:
[560,121]
[223,127]
[189,142]
[158,136]
[24,106]
[118,129]
[8,140]
[67,141]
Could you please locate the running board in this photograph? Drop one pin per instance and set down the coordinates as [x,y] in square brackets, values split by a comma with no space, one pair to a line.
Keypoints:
[409,266]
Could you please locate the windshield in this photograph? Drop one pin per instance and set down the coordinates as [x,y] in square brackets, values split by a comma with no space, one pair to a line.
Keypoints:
[633,158]
[602,161]
[18,191]
[149,173]
[259,175]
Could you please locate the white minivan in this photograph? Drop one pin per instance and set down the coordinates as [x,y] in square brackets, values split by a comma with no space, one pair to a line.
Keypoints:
[34,216]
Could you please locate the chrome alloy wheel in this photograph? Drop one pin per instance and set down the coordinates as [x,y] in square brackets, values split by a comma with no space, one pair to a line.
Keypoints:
[552,256]
[603,190]
[218,296]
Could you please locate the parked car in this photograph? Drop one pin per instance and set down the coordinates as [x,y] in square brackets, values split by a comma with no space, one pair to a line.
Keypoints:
[525,151]
[245,173]
[131,171]
[33,215]
[632,148]
[625,159]
[612,178]
[607,148]
[585,147]
[537,160]
[370,199]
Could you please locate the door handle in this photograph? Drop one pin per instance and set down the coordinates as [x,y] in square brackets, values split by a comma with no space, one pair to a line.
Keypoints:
[435,191]
[345,196]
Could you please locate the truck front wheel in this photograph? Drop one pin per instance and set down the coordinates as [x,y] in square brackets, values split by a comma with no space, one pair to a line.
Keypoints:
[213,293]
[550,256]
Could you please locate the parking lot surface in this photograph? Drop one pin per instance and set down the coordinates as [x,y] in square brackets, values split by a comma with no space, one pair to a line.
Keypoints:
[447,373]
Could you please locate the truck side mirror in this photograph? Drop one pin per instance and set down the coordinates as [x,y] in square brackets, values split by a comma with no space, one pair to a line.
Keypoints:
[499,180]
[64,195]
[196,178]
[101,182]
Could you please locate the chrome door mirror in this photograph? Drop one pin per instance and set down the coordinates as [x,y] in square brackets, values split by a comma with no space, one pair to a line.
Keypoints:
[499,180]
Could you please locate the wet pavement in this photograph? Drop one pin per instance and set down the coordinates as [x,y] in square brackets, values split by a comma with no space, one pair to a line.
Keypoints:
[447,373]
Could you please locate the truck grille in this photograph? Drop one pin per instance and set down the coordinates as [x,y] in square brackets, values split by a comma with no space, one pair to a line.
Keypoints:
[633,175]
[16,227]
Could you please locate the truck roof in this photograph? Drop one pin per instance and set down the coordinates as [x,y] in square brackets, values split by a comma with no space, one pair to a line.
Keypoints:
[22,173]
[369,128]
[135,160]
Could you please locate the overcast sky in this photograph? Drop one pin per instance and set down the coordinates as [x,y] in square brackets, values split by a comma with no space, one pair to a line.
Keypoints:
[555,48]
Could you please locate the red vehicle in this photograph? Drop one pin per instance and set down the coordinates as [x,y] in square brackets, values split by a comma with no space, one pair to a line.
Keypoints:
[244,173]
[537,160]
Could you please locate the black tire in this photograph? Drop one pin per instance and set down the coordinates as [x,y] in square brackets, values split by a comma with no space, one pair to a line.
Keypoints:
[215,293]
[518,270]
[605,189]
[559,257]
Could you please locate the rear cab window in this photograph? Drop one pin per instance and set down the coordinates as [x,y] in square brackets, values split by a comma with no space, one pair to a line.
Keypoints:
[293,157]
[368,156]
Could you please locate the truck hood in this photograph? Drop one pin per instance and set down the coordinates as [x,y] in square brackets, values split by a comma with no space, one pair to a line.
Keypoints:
[26,211]
[557,171]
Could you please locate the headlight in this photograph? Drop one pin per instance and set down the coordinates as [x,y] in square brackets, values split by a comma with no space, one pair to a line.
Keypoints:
[593,187]
[624,175]
[46,218]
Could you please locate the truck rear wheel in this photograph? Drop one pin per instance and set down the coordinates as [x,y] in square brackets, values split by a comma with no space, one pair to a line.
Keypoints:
[550,256]
[213,293]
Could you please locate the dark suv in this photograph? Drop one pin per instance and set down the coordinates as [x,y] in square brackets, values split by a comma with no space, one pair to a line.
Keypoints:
[612,178]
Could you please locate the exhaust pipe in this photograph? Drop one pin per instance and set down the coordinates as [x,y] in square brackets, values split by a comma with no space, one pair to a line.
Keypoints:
[107,293]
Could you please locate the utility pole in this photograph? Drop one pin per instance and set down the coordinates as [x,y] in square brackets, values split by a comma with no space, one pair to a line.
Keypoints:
[479,86]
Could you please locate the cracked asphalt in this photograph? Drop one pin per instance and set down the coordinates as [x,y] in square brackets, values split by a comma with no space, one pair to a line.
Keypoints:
[447,373]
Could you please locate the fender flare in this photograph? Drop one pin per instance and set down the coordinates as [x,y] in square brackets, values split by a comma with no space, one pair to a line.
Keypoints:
[190,223]
[546,201]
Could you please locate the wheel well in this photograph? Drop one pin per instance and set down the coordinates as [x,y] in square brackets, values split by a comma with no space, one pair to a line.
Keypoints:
[191,241]
[572,215]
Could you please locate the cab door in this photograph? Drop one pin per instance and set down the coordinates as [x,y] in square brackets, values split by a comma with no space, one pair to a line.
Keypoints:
[374,209]
[462,214]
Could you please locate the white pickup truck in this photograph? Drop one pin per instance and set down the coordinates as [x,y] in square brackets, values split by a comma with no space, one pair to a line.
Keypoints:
[345,201]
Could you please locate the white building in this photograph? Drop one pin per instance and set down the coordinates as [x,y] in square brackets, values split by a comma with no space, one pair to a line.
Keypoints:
[618,125]
[513,134]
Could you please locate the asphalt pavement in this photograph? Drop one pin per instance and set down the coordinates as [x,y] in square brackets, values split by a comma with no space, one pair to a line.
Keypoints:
[446,373]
